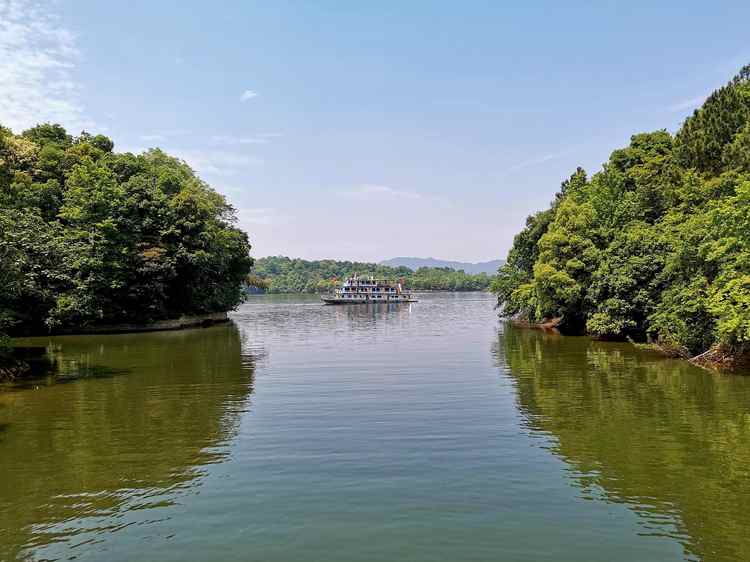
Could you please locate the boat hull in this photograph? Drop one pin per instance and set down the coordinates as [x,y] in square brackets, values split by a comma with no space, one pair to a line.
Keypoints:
[336,300]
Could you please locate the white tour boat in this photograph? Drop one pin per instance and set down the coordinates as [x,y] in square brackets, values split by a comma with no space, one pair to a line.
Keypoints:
[368,290]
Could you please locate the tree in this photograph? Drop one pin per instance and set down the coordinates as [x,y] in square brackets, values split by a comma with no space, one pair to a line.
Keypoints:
[655,245]
[88,236]
[286,275]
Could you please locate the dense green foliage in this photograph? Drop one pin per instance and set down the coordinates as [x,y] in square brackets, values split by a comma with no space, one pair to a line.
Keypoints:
[655,245]
[286,275]
[89,236]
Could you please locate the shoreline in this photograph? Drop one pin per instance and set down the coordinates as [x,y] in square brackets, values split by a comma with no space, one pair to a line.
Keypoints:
[412,290]
[715,359]
[179,323]
[551,326]
[14,368]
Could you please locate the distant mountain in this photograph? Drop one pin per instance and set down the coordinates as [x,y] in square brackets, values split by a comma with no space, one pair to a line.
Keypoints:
[415,263]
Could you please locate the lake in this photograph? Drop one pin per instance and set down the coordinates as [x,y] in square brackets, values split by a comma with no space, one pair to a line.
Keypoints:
[422,432]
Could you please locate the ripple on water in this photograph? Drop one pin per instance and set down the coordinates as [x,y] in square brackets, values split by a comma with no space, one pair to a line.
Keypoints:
[427,431]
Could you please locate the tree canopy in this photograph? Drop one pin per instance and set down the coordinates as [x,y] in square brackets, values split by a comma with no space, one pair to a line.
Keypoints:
[655,245]
[279,274]
[89,236]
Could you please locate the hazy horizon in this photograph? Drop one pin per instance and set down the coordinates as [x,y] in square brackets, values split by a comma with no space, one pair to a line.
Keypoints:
[258,256]
[368,131]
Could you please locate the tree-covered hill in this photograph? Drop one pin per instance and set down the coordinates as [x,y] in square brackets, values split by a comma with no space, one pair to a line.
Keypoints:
[89,236]
[489,267]
[280,274]
[655,245]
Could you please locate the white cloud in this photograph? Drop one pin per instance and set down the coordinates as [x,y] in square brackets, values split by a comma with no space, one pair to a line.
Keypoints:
[538,160]
[216,162]
[228,139]
[212,162]
[162,136]
[263,216]
[691,103]
[153,138]
[376,192]
[248,95]
[260,138]
[37,63]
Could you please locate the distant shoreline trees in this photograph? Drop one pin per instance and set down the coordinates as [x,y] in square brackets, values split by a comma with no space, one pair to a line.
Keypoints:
[281,274]
[655,246]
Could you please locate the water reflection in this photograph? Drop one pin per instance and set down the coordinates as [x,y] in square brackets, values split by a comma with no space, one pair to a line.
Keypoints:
[305,318]
[80,461]
[364,317]
[374,435]
[669,440]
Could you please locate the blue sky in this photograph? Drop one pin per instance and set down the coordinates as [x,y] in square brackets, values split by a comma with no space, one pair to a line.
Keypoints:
[367,130]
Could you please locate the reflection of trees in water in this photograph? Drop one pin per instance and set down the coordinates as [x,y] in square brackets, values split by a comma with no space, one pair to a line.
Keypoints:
[666,438]
[85,456]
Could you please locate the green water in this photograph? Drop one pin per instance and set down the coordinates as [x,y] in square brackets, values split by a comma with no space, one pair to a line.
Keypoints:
[412,432]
